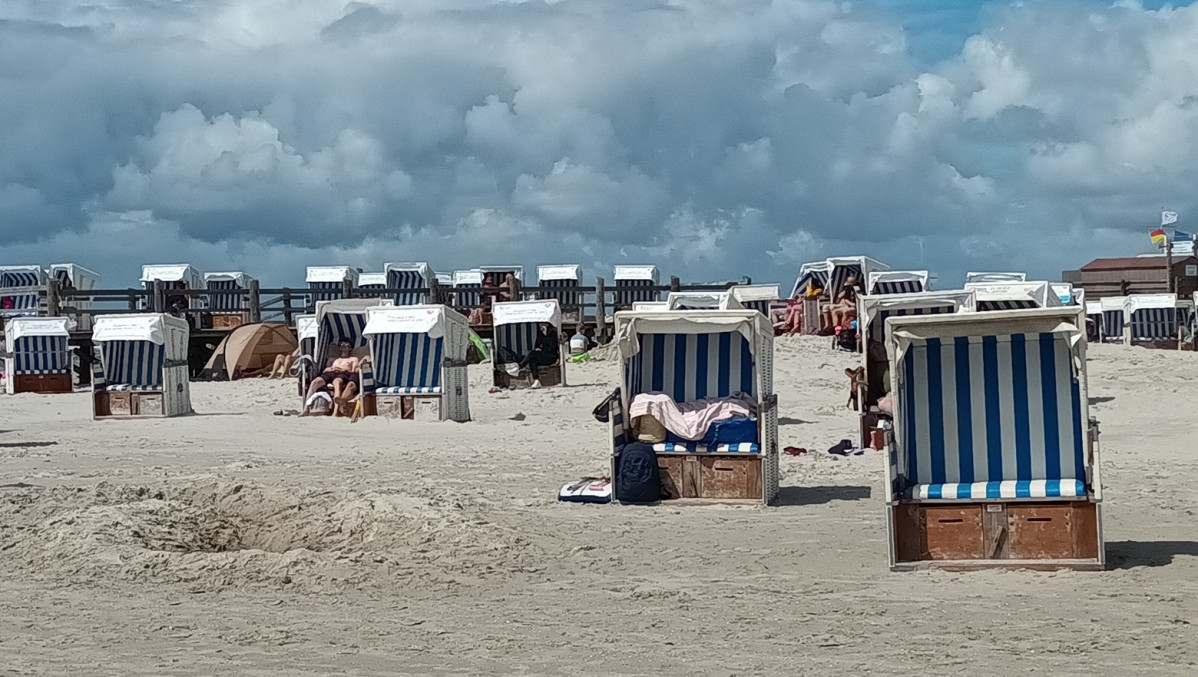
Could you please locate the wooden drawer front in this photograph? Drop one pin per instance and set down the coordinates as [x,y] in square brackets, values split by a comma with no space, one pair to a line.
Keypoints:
[729,477]
[671,470]
[120,404]
[426,408]
[148,404]
[42,383]
[389,406]
[954,531]
[1040,531]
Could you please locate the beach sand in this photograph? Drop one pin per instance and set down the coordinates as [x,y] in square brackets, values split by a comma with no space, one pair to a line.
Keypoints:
[238,542]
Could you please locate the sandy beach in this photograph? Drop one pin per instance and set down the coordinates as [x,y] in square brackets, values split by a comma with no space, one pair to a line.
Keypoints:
[238,542]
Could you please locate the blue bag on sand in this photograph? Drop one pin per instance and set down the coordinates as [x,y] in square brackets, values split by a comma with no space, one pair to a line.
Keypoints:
[638,479]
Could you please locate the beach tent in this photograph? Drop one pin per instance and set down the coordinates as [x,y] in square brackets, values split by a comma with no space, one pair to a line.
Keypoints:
[562,281]
[702,300]
[515,332]
[993,460]
[336,321]
[760,297]
[694,355]
[1150,318]
[633,284]
[142,370]
[466,284]
[37,356]
[327,282]
[249,350]
[1013,295]
[896,282]
[1113,317]
[229,281]
[988,278]
[371,285]
[416,279]
[20,290]
[76,277]
[419,355]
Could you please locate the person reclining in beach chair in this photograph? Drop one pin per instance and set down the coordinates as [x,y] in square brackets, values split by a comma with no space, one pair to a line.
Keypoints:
[341,376]
[843,309]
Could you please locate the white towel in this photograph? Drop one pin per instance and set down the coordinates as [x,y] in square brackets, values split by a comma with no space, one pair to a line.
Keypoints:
[690,420]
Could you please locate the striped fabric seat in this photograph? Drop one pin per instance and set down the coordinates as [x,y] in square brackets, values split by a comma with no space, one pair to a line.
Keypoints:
[1063,488]
[990,409]
[566,298]
[406,390]
[41,355]
[224,302]
[877,323]
[336,327]
[1112,323]
[125,387]
[130,364]
[518,338]
[1153,324]
[897,287]
[689,367]
[323,291]
[407,363]
[1014,304]
[410,280]
[699,447]
[627,292]
[64,278]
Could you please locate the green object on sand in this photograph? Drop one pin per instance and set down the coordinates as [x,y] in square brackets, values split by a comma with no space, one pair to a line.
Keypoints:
[480,346]
[585,357]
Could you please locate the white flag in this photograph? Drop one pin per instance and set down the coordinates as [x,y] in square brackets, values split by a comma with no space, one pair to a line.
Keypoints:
[1168,217]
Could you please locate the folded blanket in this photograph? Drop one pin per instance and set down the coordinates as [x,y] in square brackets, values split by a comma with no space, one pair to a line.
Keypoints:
[690,420]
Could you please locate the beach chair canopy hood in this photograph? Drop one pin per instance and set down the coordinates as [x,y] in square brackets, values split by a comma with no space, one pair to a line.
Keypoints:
[305,327]
[1113,302]
[417,319]
[331,274]
[472,276]
[173,272]
[559,272]
[1136,302]
[516,271]
[1093,307]
[637,272]
[19,327]
[238,278]
[756,292]
[74,276]
[1063,291]
[516,312]
[372,280]
[150,328]
[1014,295]
[995,277]
[698,300]
[816,271]
[897,281]
[875,309]
[747,323]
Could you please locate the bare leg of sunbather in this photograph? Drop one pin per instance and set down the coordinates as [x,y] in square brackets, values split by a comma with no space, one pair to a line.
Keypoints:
[343,405]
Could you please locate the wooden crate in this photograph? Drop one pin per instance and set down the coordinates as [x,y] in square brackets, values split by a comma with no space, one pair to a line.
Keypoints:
[550,376]
[728,476]
[147,404]
[671,468]
[389,406]
[42,383]
[227,321]
[426,408]
[954,531]
[119,403]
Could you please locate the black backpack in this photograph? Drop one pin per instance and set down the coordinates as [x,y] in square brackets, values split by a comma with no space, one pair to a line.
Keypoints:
[638,479]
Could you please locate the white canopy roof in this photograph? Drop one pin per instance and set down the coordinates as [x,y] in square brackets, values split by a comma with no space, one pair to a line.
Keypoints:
[748,323]
[638,272]
[421,267]
[172,272]
[472,276]
[810,267]
[348,306]
[867,264]
[418,319]
[518,271]
[240,278]
[559,272]
[375,279]
[702,300]
[331,274]
[305,326]
[962,300]
[514,312]
[1039,292]
[876,276]
[1140,301]
[995,277]
[1113,302]
[81,277]
[756,292]
[906,329]
[650,305]
[1064,292]
[17,327]
[148,327]
[444,279]
[36,270]
[1093,307]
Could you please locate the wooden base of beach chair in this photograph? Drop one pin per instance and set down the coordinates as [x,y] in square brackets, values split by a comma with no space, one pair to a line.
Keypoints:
[550,376]
[123,404]
[409,407]
[701,478]
[1008,534]
[42,383]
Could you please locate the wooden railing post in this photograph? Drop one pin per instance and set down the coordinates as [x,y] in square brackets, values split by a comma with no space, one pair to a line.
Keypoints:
[675,284]
[287,306]
[52,301]
[254,302]
[347,289]
[600,310]
[158,302]
[133,299]
[434,291]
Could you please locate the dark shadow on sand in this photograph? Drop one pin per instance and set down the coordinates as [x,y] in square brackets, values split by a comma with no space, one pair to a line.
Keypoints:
[786,420]
[1101,400]
[17,445]
[1132,554]
[820,495]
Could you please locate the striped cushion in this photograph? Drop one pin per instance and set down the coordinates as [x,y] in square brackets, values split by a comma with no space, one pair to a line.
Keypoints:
[40,355]
[699,447]
[123,387]
[1112,323]
[990,408]
[1149,324]
[136,363]
[407,279]
[1063,488]
[897,287]
[689,367]
[406,360]
[406,390]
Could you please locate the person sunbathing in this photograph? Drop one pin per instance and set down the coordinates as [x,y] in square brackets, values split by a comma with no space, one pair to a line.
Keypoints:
[843,309]
[282,365]
[341,376]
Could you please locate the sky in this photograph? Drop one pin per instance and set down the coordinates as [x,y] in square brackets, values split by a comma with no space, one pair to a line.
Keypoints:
[714,138]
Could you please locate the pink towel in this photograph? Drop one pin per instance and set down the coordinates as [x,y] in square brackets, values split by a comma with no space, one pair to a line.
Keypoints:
[690,420]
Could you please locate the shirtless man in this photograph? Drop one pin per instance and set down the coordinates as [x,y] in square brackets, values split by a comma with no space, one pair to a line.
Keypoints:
[340,374]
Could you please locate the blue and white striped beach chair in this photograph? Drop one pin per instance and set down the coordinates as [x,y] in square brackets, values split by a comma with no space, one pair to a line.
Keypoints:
[419,354]
[228,305]
[691,355]
[633,284]
[38,355]
[1013,295]
[764,298]
[515,326]
[336,321]
[562,282]
[21,289]
[326,283]
[1152,319]
[415,279]
[896,282]
[993,456]
[1113,317]
[466,286]
[371,285]
[143,369]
